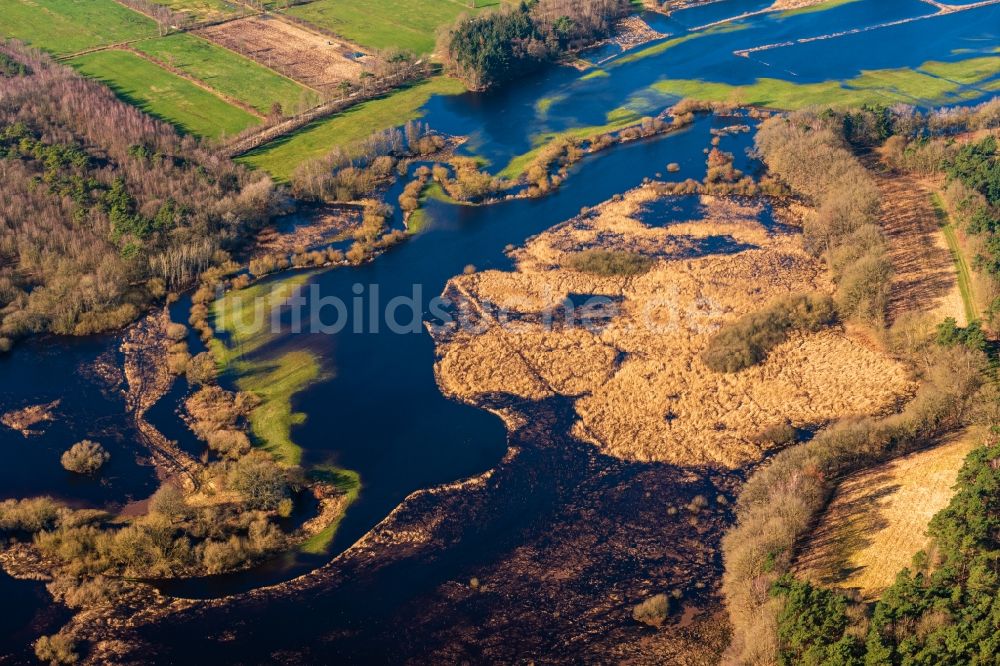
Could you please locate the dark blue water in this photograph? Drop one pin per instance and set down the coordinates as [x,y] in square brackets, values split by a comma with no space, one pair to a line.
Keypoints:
[382,414]
[44,371]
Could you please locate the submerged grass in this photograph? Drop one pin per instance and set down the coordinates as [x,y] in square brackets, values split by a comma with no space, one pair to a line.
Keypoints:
[617,119]
[349,483]
[931,83]
[661,47]
[242,320]
[818,7]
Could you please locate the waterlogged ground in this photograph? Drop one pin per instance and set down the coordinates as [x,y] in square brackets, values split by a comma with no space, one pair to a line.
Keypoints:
[562,529]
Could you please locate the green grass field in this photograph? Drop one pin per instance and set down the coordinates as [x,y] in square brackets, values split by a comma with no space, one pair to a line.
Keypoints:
[164,95]
[405,24]
[280,157]
[348,482]
[228,72]
[69,26]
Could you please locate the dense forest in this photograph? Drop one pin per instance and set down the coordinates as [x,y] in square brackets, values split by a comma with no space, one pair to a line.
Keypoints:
[495,47]
[103,209]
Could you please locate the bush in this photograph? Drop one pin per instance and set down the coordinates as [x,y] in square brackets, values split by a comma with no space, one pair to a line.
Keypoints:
[609,262]
[259,480]
[176,332]
[201,369]
[863,291]
[219,556]
[85,457]
[168,501]
[654,611]
[28,515]
[56,649]
[747,341]
[87,592]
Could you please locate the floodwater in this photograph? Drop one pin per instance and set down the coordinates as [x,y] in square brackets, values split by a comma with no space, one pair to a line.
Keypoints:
[380,412]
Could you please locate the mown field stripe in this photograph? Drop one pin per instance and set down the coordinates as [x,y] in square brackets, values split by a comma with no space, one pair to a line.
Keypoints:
[961,264]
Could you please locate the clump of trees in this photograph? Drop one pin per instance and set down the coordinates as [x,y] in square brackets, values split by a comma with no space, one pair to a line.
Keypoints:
[85,457]
[466,181]
[609,262]
[350,173]
[219,418]
[808,152]
[747,341]
[104,208]
[495,47]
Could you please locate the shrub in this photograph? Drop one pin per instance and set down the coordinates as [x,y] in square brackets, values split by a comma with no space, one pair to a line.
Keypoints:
[747,341]
[261,481]
[87,592]
[56,649]
[654,611]
[218,556]
[85,457]
[202,369]
[609,262]
[28,515]
[176,332]
[169,501]
[863,291]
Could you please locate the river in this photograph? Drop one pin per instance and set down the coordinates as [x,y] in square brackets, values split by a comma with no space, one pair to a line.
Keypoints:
[380,412]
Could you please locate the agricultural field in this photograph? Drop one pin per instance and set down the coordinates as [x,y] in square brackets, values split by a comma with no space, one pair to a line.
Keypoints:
[878,519]
[404,24]
[69,26]
[305,56]
[163,94]
[229,73]
[280,157]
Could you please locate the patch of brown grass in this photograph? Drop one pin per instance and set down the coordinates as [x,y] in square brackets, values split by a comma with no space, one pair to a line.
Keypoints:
[878,519]
[642,391]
